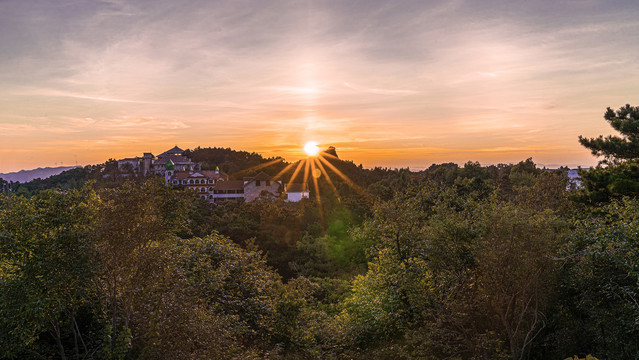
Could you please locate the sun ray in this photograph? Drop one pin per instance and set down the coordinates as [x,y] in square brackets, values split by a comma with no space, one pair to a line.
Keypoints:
[317,194]
[328,155]
[328,178]
[258,167]
[283,171]
[297,170]
[340,174]
[307,166]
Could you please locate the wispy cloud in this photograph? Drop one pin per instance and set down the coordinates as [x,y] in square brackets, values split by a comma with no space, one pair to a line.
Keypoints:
[381,91]
[373,76]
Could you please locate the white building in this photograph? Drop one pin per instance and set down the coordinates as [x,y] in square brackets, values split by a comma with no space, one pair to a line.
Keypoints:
[296,192]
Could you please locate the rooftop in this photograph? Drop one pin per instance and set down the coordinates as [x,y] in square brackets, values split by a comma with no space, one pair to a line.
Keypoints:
[297,188]
[229,185]
[262,176]
[173,151]
[176,159]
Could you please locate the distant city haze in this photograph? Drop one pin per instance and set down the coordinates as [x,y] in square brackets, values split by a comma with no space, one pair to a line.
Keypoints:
[388,83]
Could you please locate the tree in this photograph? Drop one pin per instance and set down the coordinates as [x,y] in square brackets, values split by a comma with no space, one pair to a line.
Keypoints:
[621,154]
[615,148]
[46,275]
[132,228]
[598,311]
[515,272]
[602,184]
[455,272]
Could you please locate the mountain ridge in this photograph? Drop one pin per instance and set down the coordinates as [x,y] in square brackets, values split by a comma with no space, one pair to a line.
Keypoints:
[28,175]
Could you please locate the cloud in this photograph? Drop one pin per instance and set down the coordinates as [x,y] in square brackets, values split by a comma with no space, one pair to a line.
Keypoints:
[381,91]
[371,74]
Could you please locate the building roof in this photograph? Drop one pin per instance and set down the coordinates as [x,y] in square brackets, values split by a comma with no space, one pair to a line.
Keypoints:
[208,174]
[296,188]
[176,159]
[181,175]
[261,176]
[214,174]
[229,185]
[174,151]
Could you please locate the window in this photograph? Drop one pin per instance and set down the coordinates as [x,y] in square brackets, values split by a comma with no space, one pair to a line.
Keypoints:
[268,182]
[191,181]
[257,183]
[211,188]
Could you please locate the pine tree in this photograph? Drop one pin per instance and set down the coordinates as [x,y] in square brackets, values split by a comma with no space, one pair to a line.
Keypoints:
[615,148]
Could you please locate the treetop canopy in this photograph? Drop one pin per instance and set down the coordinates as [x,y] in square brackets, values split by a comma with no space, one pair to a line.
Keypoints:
[625,121]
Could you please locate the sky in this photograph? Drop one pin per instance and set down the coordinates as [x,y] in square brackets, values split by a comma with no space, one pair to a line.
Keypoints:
[397,83]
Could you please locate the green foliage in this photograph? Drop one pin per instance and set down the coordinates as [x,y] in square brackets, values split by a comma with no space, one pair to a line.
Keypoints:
[230,161]
[453,271]
[236,283]
[275,228]
[453,262]
[95,275]
[621,154]
[598,312]
[384,300]
[615,148]
[602,184]
[45,273]
[523,174]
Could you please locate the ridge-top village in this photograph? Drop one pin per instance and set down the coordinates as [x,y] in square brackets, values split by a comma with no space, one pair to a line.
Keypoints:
[211,185]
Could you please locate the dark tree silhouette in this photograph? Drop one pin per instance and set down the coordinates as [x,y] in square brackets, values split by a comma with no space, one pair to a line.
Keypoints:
[626,121]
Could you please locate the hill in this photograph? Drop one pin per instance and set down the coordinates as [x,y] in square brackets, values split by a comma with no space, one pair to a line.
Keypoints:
[28,175]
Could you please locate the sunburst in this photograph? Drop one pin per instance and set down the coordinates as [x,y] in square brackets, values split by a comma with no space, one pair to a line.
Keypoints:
[311,148]
[311,168]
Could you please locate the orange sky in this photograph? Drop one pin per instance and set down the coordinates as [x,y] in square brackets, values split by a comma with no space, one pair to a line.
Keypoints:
[395,84]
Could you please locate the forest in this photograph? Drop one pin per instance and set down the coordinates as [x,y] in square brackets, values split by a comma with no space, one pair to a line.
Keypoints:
[506,261]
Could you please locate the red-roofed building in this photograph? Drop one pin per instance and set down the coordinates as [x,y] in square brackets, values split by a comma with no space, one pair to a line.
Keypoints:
[201,182]
[215,186]
[228,190]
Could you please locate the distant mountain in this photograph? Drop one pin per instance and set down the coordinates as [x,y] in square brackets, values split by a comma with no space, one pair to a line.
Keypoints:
[28,175]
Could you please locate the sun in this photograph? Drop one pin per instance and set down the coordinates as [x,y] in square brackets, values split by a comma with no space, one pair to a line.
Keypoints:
[311,148]
[312,170]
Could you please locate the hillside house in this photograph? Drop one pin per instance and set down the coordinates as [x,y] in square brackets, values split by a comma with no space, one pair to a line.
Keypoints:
[261,186]
[296,192]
